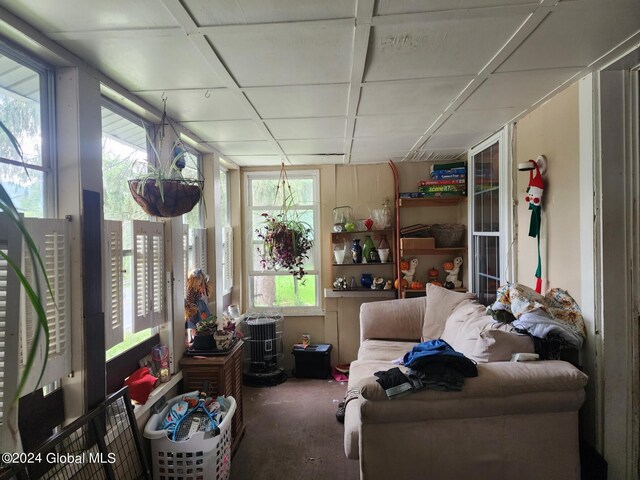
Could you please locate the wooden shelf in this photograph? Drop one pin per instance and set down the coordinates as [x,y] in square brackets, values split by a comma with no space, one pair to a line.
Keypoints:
[360,293]
[432,251]
[430,202]
[375,264]
[386,231]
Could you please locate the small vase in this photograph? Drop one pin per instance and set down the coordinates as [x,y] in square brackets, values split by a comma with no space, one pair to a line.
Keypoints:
[366,249]
[356,251]
[384,244]
[366,280]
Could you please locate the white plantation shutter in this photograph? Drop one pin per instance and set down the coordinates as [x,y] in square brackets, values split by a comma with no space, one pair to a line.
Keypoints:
[52,241]
[148,274]
[198,241]
[227,258]
[113,314]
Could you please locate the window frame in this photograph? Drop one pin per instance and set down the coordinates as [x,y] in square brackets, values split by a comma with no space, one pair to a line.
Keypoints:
[227,255]
[313,310]
[46,73]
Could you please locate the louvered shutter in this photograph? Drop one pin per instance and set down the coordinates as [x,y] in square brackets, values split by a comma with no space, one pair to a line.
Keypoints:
[227,258]
[198,241]
[148,274]
[52,241]
[113,313]
[185,255]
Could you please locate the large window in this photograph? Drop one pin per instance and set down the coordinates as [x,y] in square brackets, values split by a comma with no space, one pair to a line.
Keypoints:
[26,110]
[227,232]
[129,291]
[279,289]
[489,223]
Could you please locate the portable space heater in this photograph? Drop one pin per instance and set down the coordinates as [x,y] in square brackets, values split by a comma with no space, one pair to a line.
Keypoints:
[263,349]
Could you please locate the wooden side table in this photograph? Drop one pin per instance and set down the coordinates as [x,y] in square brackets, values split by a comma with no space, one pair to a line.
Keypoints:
[224,373]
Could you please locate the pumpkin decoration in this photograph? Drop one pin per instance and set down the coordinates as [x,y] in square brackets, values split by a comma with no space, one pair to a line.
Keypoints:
[415,285]
[403,282]
[433,274]
[404,265]
[447,266]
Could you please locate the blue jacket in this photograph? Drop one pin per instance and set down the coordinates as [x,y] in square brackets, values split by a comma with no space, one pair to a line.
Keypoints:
[439,351]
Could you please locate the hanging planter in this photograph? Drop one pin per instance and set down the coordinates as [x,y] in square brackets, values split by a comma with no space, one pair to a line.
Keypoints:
[166,198]
[163,191]
[286,239]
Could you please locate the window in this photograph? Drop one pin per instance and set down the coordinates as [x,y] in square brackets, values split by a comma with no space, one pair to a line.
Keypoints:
[26,109]
[227,232]
[194,235]
[488,218]
[279,289]
[124,153]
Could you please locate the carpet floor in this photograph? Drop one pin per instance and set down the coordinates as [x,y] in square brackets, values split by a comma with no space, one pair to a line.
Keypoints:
[292,432]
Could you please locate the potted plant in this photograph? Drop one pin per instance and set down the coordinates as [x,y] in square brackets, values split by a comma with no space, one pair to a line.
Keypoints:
[203,340]
[286,238]
[163,191]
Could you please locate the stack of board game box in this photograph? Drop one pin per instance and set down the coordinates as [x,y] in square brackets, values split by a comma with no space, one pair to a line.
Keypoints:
[447,179]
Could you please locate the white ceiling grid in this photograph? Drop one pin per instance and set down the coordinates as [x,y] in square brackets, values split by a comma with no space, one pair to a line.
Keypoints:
[338,81]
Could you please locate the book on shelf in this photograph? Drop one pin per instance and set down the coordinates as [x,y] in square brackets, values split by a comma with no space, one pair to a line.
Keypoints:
[448,166]
[427,189]
[447,175]
[446,181]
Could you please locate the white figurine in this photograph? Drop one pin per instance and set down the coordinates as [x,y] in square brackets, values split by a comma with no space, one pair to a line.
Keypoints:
[408,274]
[453,273]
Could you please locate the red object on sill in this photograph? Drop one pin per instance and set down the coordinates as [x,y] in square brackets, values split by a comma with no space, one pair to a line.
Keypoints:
[141,383]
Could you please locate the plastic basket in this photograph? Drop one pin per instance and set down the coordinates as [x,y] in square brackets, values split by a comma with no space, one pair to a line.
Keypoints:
[202,457]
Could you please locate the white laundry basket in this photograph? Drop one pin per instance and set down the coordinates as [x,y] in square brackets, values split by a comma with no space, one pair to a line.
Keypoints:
[204,456]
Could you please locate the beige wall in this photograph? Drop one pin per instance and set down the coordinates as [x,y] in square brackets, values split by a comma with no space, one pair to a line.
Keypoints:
[552,130]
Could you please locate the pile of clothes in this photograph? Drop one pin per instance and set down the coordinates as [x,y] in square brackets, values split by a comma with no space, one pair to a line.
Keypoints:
[432,365]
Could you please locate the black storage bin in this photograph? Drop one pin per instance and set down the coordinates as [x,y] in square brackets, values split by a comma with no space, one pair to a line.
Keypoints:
[313,361]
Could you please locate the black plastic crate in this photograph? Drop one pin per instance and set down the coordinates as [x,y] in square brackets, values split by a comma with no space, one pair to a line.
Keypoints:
[313,361]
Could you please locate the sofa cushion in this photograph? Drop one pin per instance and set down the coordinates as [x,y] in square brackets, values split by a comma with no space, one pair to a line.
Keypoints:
[440,304]
[499,346]
[462,328]
[383,350]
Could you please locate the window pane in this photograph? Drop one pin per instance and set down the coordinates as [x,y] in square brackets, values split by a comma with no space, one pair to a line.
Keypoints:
[487,180]
[20,110]
[488,268]
[268,192]
[284,291]
[26,191]
[224,197]
[191,170]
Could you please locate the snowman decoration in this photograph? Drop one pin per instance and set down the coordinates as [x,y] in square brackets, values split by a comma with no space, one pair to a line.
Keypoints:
[534,199]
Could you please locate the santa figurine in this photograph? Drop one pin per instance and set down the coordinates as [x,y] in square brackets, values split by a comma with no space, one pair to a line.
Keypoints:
[534,199]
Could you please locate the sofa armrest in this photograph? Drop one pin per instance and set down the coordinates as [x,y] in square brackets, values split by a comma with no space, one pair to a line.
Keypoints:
[392,319]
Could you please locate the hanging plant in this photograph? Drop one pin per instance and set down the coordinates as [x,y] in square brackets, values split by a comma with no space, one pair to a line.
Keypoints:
[287,240]
[164,191]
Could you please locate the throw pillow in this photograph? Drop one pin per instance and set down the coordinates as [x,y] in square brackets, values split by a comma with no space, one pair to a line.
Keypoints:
[499,346]
[440,304]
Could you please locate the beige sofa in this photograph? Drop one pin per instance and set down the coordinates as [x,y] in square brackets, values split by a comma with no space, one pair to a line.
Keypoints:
[515,420]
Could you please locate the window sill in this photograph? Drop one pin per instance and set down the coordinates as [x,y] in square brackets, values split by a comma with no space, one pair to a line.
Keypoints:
[140,410]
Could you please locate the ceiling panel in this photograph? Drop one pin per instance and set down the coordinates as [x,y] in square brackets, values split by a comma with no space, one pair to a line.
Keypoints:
[85,15]
[226,131]
[154,64]
[394,125]
[244,148]
[439,48]
[315,159]
[292,55]
[391,7]
[294,128]
[199,105]
[300,101]
[224,12]
[460,141]
[313,146]
[517,88]
[383,144]
[416,96]
[575,34]
[254,160]
[473,121]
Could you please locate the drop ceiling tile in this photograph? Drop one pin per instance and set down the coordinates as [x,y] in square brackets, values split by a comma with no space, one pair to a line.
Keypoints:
[479,121]
[223,12]
[230,149]
[299,128]
[74,15]
[226,131]
[575,34]
[517,89]
[321,146]
[394,125]
[286,56]
[316,159]
[440,48]
[198,105]
[391,7]
[460,141]
[255,160]
[405,97]
[300,101]
[383,144]
[161,63]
